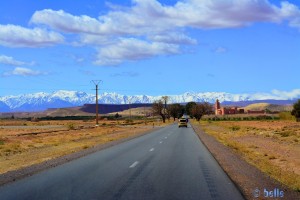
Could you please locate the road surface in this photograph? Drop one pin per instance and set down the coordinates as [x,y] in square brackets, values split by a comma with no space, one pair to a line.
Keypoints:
[170,163]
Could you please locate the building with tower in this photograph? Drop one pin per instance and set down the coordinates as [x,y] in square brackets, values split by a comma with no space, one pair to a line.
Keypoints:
[226,110]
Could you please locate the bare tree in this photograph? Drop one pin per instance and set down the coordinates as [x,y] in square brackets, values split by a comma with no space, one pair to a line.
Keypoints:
[201,109]
[165,99]
[158,109]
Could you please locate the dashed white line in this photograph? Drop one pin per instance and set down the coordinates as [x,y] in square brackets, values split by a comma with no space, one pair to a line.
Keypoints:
[160,142]
[151,149]
[166,137]
[134,164]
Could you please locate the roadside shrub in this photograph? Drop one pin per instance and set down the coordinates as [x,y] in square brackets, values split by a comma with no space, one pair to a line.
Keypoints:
[285,134]
[251,118]
[128,121]
[235,128]
[272,157]
[238,119]
[286,116]
[71,126]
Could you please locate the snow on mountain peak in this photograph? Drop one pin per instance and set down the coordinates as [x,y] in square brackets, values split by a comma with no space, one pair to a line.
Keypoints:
[65,98]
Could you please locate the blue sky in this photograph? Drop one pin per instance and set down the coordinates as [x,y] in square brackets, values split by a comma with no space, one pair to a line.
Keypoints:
[150,47]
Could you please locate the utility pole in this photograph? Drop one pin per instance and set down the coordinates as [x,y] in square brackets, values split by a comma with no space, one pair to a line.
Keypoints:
[129,109]
[145,115]
[96,82]
[165,99]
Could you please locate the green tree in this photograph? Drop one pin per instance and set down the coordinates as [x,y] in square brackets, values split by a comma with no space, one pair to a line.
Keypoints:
[201,109]
[188,108]
[175,110]
[117,115]
[296,110]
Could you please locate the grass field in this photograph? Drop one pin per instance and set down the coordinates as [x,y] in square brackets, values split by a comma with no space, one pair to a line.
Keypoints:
[272,146]
[24,143]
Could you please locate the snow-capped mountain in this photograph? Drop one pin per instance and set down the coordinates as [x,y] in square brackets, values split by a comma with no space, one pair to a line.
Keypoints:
[62,98]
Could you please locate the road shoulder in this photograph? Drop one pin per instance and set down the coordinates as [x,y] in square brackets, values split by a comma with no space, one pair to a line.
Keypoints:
[250,180]
[15,175]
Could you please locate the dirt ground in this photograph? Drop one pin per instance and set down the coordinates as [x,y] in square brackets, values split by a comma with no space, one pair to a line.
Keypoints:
[24,143]
[272,146]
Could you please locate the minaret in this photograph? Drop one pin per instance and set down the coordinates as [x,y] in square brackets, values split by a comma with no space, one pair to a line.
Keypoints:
[217,106]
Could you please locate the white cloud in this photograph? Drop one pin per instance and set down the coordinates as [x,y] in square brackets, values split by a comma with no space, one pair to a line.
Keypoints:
[277,95]
[151,16]
[129,49]
[129,74]
[17,36]
[159,26]
[22,71]
[220,50]
[291,13]
[287,94]
[66,22]
[88,39]
[173,38]
[8,60]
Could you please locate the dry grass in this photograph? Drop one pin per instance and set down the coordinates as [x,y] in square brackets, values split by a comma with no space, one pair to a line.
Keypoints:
[17,150]
[272,146]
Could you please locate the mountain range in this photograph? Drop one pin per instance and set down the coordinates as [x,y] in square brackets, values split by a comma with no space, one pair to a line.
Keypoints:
[62,98]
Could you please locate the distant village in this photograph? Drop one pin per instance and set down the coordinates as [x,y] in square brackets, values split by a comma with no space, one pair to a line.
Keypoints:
[219,110]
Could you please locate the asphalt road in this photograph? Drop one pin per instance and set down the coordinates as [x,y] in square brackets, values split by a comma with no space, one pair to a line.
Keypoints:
[170,163]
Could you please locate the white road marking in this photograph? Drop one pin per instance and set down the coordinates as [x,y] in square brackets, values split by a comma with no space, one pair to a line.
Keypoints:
[151,149]
[160,142]
[134,164]
[166,137]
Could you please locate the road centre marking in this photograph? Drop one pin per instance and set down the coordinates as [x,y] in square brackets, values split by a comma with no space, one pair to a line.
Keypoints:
[134,164]
[160,142]
[151,149]
[166,137]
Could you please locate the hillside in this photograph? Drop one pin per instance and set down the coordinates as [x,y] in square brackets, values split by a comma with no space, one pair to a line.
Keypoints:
[135,111]
[271,107]
[111,108]
[61,112]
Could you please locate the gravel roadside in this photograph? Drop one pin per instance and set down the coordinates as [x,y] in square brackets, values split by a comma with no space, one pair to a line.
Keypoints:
[253,183]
